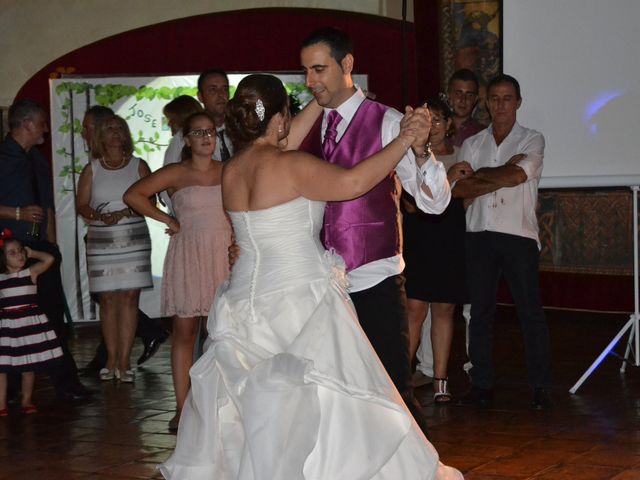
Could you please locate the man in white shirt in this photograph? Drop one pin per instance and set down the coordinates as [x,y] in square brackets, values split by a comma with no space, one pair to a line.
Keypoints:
[213,92]
[365,231]
[504,168]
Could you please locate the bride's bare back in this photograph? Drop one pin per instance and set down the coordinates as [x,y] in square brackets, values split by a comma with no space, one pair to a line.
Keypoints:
[262,175]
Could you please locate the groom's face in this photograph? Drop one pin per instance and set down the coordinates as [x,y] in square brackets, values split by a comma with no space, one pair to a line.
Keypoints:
[329,81]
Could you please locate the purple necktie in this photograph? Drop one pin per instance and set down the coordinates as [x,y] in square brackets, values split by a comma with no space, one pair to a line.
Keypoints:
[330,134]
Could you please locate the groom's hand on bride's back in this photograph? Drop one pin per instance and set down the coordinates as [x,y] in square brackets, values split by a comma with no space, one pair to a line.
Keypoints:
[234,253]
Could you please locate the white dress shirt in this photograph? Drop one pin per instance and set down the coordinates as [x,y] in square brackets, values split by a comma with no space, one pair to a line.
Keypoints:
[432,174]
[509,210]
[227,142]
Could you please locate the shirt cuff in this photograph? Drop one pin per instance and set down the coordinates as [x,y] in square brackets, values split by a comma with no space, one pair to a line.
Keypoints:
[434,176]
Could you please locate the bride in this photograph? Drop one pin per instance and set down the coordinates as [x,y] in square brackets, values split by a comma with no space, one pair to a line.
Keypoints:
[289,388]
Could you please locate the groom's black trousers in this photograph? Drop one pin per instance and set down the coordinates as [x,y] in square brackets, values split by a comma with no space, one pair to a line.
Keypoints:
[382,312]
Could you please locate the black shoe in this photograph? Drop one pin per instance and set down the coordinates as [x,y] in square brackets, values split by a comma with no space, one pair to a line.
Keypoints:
[75,392]
[476,397]
[151,347]
[91,369]
[541,400]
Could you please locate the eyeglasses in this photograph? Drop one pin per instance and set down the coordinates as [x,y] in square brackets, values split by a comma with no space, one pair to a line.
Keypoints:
[436,122]
[202,132]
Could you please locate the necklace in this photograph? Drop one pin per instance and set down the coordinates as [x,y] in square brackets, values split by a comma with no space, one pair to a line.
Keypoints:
[441,148]
[107,166]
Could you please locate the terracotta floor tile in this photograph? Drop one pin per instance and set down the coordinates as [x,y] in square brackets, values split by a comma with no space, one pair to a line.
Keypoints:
[121,433]
[578,472]
[133,470]
[633,474]
[607,458]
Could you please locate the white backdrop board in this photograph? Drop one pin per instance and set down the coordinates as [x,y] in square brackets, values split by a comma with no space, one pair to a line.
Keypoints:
[579,68]
[140,101]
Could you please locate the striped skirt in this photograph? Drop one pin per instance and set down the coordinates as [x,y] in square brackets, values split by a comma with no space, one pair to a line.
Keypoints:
[119,256]
[27,341]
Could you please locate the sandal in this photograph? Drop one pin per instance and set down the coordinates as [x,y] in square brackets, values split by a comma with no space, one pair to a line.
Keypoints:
[29,409]
[441,392]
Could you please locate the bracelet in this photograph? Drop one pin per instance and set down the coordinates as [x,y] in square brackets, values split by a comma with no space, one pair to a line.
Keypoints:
[17,214]
[426,153]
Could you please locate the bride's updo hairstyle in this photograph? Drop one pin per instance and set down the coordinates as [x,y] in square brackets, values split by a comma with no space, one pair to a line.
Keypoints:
[258,98]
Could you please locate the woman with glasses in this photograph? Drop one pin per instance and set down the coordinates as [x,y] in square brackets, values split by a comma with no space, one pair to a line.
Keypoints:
[176,112]
[434,256]
[196,261]
[118,242]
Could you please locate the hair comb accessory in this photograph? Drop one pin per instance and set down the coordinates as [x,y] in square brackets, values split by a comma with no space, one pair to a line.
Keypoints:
[445,99]
[260,109]
[5,235]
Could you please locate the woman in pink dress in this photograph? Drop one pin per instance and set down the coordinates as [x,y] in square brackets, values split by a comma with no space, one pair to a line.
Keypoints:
[196,261]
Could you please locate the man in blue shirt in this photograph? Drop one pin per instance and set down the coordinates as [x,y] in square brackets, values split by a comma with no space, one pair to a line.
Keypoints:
[27,209]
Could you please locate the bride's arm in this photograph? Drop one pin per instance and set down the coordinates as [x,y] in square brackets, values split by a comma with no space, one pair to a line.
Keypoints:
[302,123]
[317,179]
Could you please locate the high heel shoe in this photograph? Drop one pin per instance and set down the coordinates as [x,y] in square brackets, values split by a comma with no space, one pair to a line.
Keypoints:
[127,376]
[441,392]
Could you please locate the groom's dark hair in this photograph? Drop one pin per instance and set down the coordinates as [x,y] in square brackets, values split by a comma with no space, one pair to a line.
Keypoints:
[338,42]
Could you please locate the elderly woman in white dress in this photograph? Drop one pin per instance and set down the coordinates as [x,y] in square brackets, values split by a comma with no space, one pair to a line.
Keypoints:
[118,242]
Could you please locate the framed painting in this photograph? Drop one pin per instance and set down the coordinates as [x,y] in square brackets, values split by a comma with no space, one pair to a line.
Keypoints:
[471,37]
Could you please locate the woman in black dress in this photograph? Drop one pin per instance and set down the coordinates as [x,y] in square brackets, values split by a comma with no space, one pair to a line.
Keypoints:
[434,256]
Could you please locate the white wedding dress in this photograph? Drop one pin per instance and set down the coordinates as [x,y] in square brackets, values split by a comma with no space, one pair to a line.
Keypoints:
[289,387]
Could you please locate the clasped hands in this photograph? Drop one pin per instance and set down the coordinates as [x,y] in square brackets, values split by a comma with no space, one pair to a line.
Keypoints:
[112,218]
[415,126]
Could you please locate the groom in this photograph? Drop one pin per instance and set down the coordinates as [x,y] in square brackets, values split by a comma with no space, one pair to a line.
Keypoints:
[365,231]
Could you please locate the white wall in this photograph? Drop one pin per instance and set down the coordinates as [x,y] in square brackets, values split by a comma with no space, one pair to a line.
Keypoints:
[579,68]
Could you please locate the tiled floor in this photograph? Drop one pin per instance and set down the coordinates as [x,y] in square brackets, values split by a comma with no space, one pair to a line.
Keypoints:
[122,432]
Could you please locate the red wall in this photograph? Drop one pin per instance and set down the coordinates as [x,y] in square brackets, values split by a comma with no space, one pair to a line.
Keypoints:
[247,40]
[256,40]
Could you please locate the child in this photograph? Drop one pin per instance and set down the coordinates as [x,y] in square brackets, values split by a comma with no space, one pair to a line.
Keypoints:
[27,341]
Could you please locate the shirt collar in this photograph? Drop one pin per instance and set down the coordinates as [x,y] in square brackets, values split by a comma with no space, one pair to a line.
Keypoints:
[350,106]
[13,146]
[515,130]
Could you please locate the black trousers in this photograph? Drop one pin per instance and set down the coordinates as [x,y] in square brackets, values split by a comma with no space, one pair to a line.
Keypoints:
[490,255]
[382,312]
[52,302]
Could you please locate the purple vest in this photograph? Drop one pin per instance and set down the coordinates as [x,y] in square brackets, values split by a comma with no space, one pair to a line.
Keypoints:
[367,228]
